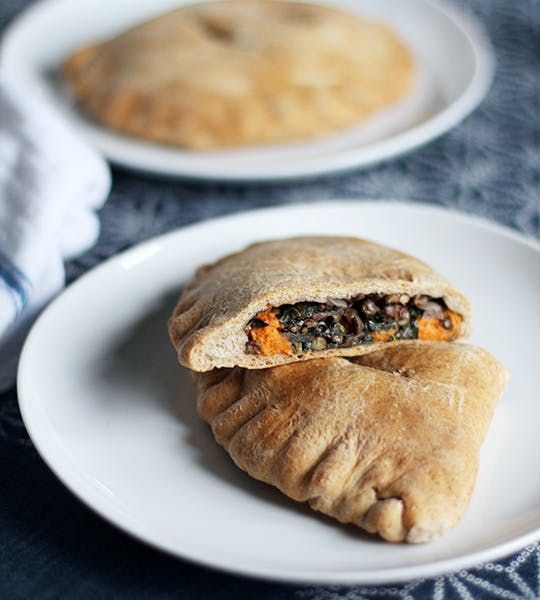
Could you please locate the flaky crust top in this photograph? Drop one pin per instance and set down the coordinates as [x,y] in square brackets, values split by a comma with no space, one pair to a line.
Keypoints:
[208,324]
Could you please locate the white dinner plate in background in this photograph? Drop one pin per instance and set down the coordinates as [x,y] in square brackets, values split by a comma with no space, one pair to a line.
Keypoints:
[114,416]
[454,59]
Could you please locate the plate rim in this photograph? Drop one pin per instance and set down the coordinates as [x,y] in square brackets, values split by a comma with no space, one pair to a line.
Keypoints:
[64,472]
[338,162]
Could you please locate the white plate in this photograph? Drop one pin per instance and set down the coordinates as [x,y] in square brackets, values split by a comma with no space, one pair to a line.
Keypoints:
[455,65]
[114,416]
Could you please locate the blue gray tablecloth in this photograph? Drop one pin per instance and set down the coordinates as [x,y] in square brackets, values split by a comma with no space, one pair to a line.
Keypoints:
[51,546]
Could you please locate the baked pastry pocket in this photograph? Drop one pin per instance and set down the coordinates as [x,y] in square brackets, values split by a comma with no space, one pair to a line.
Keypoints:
[309,297]
[388,441]
[214,75]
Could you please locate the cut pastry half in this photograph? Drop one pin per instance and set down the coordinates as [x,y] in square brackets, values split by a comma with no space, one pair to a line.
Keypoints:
[232,73]
[388,441]
[288,300]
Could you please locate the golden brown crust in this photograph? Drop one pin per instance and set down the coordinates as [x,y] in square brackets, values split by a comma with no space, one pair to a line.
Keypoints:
[207,325]
[388,441]
[236,72]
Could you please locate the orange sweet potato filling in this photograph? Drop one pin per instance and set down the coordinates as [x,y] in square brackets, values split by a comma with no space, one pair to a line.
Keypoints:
[269,339]
[384,335]
[431,329]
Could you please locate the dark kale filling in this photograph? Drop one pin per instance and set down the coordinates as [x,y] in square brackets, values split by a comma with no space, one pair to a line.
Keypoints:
[361,320]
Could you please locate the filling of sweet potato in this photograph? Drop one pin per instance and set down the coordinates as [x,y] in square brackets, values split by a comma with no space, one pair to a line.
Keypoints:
[296,328]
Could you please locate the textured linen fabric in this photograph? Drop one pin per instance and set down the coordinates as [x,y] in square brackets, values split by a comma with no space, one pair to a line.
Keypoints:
[51,546]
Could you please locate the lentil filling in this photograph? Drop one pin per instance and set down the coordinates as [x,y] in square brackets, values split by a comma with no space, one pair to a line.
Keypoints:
[295,328]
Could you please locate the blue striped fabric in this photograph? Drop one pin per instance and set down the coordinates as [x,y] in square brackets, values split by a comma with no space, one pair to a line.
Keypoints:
[15,280]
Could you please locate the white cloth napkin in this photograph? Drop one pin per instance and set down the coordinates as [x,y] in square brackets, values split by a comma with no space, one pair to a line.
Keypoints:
[51,184]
